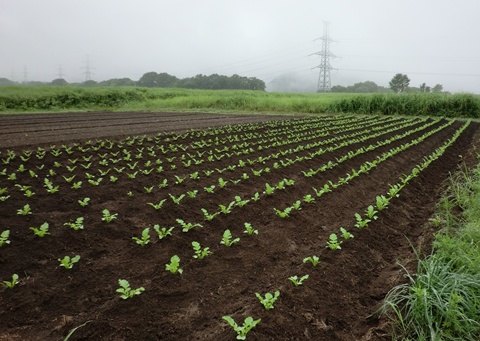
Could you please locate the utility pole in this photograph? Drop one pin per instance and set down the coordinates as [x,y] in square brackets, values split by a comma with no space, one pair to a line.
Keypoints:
[324,80]
[60,73]
[25,74]
[88,70]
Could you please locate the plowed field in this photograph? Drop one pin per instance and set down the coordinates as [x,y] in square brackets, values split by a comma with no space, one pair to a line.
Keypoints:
[238,169]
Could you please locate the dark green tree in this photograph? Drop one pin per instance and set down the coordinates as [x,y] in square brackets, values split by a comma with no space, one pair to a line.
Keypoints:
[399,83]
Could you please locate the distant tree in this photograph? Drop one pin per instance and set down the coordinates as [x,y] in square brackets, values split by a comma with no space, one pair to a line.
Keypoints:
[89,83]
[424,88]
[339,88]
[437,88]
[118,82]
[148,80]
[59,82]
[399,83]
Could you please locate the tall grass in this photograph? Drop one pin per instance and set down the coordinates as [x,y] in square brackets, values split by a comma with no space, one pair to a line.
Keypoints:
[442,301]
[15,99]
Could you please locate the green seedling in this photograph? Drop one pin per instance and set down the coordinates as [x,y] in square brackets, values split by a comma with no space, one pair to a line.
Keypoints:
[361,223]
[269,190]
[4,238]
[187,226]
[25,210]
[239,202]
[382,202]
[84,202]
[248,324]
[144,239]
[222,183]
[76,225]
[345,233]
[333,242]
[298,281]
[149,190]
[309,199]
[158,205]
[174,265]
[256,197]
[371,213]
[163,231]
[77,185]
[42,231]
[127,292]
[107,216]
[12,283]
[285,213]
[297,205]
[227,239]
[227,209]
[192,194]
[68,262]
[199,252]
[269,299]
[249,229]
[163,184]
[209,189]
[209,216]
[314,260]
[176,200]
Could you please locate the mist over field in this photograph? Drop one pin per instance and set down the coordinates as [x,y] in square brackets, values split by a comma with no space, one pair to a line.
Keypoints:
[433,42]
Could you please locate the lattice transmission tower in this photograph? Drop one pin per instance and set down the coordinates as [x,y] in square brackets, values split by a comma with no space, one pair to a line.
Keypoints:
[324,80]
[88,70]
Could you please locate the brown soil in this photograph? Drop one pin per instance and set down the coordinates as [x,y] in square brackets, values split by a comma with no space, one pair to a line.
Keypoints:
[335,303]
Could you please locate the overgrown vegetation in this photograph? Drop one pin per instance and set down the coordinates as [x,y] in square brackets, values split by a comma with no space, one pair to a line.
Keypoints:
[37,99]
[441,302]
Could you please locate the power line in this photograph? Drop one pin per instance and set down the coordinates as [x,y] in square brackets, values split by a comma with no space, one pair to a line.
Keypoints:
[324,80]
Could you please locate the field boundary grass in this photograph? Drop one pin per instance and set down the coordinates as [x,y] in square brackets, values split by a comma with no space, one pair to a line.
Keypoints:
[442,300]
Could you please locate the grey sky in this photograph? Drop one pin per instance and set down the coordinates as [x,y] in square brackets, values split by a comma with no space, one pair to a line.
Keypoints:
[432,41]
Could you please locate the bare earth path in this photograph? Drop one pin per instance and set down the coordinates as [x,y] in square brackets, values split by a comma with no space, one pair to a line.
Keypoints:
[335,303]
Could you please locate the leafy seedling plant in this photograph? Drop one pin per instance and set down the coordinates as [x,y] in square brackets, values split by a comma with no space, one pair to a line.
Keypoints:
[298,281]
[187,226]
[248,324]
[227,239]
[68,262]
[269,300]
[84,202]
[25,210]
[12,283]
[313,259]
[199,252]
[163,231]
[345,233]
[107,216]
[125,290]
[144,239]
[174,265]
[333,243]
[249,229]
[77,225]
[361,223]
[42,231]
[4,238]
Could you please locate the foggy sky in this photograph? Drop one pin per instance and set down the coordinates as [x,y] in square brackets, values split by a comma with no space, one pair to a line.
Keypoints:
[432,41]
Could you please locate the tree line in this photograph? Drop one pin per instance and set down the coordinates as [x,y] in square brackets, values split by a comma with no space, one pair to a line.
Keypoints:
[164,80]
[400,83]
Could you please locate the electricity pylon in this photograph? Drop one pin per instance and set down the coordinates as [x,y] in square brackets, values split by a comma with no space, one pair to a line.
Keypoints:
[88,70]
[324,80]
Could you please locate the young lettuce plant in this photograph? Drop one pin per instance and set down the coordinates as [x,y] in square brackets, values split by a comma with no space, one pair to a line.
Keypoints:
[345,233]
[68,262]
[333,242]
[4,238]
[174,265]
[248,324]
[249,229]
[158,205]
[107,216]
[125,290]
[187,226]
[227,239]
[313,259]
[144,239]
[361,223]
[12,283]
[42,231]
[269,299]
[199,252]
[76,225]
[25,210]
[163,231]
[84,202]
[298,281]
